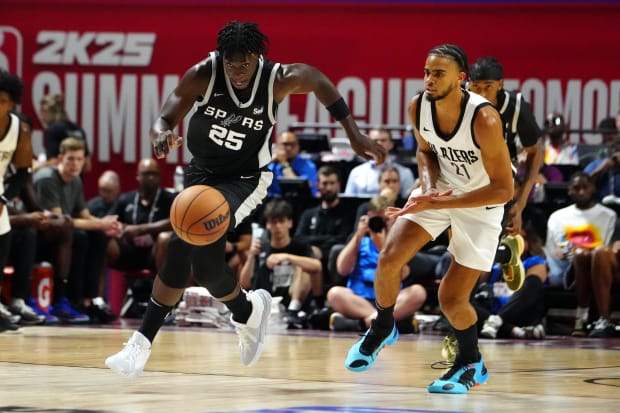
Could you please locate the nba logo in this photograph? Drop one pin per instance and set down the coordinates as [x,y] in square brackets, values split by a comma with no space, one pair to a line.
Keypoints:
[11,50]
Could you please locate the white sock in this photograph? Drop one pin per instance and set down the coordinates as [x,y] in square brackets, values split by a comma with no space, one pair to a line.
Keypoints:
[581,313]
[294,305]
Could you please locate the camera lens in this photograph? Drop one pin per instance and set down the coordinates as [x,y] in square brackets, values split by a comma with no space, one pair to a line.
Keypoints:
[376,224]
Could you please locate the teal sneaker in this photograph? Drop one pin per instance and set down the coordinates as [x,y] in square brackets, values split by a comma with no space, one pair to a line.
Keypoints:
[460,378]
[363,354]
[513,270]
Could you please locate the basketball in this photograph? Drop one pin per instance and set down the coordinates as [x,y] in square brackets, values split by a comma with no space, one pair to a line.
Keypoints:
[200,215]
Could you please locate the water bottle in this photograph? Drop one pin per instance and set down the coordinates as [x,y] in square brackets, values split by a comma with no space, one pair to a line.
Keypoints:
[178,179]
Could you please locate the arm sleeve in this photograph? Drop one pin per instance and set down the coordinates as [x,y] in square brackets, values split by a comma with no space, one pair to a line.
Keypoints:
[527,127]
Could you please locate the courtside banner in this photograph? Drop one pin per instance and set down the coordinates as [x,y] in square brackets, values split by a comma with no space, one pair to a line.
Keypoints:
[117,61]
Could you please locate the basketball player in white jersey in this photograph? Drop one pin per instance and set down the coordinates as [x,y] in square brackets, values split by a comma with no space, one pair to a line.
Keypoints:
[466,179]
[15,148]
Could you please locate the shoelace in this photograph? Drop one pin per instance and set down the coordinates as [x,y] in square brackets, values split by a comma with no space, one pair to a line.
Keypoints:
[467,375]
[371,342]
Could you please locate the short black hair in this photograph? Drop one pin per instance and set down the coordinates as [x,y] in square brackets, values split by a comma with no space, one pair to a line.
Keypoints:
[327,170]
[486,68]
[453,52]
[278,208]
[241,38]
[12,85]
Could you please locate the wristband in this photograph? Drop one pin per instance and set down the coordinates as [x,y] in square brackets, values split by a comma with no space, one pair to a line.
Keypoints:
[339,109]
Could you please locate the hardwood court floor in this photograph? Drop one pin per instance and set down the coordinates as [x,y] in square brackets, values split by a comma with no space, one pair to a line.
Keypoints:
[61,369]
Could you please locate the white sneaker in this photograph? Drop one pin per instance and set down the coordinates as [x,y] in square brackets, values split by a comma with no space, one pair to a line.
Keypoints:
[28,315]
[9,316]
[491,326]
[252,334]
[130,361]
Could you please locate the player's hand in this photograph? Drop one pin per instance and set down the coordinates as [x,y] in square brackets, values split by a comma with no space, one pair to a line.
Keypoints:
[164,141]
[417,203]
[368,149]
[513,221]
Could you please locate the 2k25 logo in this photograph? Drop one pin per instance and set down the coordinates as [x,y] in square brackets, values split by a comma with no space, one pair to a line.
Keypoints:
[94,48]
[11,50]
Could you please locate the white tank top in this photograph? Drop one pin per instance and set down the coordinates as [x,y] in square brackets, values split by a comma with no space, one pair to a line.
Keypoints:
[460,159]
[7,149]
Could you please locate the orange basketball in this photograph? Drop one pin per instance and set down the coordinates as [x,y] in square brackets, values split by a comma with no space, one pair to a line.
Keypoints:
[200,215]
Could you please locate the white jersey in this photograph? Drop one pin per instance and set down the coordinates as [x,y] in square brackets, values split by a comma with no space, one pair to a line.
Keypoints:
[459,156]
[8,143]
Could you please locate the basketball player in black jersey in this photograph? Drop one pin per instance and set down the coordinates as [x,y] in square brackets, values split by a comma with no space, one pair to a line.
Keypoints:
[236,92]
[486,78]
[465,177]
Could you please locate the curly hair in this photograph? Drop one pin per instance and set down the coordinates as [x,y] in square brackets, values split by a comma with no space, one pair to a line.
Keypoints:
[237,38]
[12,85]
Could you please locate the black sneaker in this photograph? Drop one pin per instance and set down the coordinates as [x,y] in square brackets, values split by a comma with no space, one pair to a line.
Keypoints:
[295,319]
[99,312]
[28,315]
[338,322]
[6,325]
[603,328]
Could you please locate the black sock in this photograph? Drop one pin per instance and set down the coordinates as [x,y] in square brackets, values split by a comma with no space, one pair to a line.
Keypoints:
[153,319]
[319,301]
[468,345]
[60,289]
[385,319]
[240,307]
[503,254]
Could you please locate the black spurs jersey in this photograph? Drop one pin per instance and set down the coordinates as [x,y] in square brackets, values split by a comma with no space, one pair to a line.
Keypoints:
[229,137]
[517,119]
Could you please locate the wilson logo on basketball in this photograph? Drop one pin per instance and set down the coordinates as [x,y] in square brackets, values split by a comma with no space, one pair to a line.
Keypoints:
[216,222]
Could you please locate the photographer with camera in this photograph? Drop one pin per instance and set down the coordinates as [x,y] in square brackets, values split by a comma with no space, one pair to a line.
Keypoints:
[353,305]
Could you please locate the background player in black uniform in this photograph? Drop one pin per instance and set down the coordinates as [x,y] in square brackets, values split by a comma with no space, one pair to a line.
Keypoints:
[486,78]
[236,92]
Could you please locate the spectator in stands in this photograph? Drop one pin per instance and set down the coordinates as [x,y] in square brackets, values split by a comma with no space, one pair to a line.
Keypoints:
[573,233]
[605,172]
[238,244]
[288,163]
[144,213]
[59,190]
[324,226]
[364,178]
[389,187]
[109,186]
[518,314]
[353,305]
[608,130]
[604,274]
[58,126]
[282,265]
[558,151]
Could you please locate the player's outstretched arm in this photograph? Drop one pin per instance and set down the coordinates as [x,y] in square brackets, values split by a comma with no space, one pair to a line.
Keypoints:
[301,78]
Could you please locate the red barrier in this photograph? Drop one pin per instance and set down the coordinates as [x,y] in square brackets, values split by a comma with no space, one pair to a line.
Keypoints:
[116,64]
